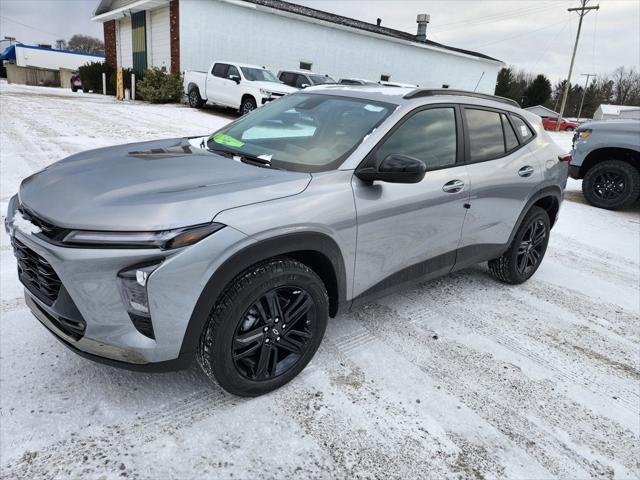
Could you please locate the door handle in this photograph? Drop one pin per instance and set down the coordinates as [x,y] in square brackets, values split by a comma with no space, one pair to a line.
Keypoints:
[454,186]
[526,171]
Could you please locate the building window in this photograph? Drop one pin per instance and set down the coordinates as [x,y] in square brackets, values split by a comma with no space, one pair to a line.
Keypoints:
[305,65]
[445,85]
[385,78]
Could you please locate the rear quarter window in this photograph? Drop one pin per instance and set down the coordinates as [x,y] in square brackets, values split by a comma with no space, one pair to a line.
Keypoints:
[523,131]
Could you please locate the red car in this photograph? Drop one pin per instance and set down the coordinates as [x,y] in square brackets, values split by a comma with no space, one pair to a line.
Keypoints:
[549,123]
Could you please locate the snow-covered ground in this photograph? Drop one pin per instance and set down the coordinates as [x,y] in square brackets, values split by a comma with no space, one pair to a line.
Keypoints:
[461,377]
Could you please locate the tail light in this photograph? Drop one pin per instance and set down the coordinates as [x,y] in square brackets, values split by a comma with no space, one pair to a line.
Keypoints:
[564,158]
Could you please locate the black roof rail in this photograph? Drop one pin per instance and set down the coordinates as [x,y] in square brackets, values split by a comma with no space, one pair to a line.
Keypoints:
[430,92]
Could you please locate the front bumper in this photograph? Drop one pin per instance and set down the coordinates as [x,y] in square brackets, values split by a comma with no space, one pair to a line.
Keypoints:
[90,297]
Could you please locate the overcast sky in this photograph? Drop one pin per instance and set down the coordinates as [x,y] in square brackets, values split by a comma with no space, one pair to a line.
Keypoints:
[533,35]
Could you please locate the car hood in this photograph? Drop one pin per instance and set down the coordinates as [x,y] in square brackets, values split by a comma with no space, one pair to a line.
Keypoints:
[154,185]
[274,87]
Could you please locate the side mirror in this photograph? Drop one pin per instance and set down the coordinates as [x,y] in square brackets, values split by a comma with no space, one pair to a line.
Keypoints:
[304,85]
[395,168]
[235,78]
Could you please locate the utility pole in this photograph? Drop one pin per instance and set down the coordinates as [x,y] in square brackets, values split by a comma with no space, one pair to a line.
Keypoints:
[582,11]
[584,92]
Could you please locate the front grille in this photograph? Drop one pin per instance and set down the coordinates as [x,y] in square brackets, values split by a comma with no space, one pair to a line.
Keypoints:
[48,230]
[36,273]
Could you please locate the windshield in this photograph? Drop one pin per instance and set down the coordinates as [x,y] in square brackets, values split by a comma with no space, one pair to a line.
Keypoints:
[321,79]
[258,74]
[302,132]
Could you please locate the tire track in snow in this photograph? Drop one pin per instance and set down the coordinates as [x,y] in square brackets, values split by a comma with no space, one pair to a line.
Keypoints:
[511,402]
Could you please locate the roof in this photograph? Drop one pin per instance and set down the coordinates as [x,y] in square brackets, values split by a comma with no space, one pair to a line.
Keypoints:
[9,53]
[359,25]
[403,95]
[553,113]
[616,109]
[101,14]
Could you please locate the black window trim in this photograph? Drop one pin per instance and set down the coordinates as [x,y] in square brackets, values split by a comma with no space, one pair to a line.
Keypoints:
[460,144]
[226,69]
[467,143]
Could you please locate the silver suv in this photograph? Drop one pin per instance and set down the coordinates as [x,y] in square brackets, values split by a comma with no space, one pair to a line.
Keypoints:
[236,248]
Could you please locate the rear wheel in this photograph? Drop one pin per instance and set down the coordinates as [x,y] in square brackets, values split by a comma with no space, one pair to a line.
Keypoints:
[526,251]
[612,185]
[195,100]
[248,105]
[265,328]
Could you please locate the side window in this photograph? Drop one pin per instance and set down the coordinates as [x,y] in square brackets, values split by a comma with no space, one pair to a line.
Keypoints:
[232,71]
[522,129]
[287,78]
[301,80]
[510,138]
[220,70]
[486,140]
[429,135]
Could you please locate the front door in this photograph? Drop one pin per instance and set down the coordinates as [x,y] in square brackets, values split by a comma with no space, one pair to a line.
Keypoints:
[411,231]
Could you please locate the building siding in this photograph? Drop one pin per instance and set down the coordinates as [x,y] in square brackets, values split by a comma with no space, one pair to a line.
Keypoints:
[215,30]
[124,43]
[159,42]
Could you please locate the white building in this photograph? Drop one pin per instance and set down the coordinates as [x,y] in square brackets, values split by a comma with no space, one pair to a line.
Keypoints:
[188,35]
[543,111]
[608,112]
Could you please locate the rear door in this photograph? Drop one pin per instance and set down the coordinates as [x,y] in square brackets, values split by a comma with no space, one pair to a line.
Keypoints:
[411,231]
[503,172]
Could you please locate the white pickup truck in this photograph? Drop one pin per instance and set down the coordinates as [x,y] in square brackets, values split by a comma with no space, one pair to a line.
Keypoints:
[234,85]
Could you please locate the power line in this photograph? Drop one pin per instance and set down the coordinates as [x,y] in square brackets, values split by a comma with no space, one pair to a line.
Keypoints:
[583,11]
[520,34]
[57,35]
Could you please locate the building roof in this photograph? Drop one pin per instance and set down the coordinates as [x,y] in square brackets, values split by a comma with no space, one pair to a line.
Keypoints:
[359,24]
[9,53]
[537,107]
[616,109]
[105,5]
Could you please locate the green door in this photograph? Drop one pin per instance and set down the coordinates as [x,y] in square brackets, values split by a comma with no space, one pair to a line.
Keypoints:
[139,39]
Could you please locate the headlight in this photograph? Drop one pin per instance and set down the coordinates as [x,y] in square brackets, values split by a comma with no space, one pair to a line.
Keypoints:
[265,93]
[165,240]
[584,134]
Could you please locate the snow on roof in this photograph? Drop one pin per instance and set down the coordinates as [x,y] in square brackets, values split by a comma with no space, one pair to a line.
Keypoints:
[616,109]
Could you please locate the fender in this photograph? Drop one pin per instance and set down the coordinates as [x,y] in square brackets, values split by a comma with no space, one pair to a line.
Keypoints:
[294,243]
[550,191]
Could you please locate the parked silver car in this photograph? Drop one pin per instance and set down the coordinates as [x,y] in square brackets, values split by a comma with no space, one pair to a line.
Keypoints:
[236,248]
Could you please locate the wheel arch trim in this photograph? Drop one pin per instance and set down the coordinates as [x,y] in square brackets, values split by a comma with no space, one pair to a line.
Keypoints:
[292,244]
[554,192]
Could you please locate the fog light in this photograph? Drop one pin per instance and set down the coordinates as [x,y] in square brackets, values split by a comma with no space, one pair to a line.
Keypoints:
[133,288]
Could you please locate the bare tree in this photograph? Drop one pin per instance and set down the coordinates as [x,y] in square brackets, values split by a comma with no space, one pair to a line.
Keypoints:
[85,43]
[626,87]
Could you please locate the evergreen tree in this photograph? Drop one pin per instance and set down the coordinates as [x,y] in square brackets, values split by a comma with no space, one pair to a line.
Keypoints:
[538,92]
[503,84]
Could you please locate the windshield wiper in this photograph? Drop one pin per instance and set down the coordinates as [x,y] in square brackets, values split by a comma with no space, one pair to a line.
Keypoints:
[244,158]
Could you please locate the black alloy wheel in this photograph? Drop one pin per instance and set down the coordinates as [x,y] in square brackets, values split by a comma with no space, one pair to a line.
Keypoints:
[265,327]
[526,250]
[274,333]
[608,185]
[531,248]
[611,184]
[195,100]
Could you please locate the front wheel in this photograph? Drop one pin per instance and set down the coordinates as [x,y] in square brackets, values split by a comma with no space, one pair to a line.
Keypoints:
[612,185]
[265,328]
[526,251]
[248,105]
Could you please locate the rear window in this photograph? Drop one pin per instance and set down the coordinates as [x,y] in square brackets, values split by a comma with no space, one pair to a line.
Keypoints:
[485,134]
[522,129]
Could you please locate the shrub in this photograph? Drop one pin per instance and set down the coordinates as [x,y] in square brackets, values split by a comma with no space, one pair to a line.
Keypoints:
[91,76]
[157,86]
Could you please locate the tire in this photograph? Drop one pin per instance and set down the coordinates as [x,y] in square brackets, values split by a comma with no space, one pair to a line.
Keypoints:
[248,105]
[527,249]
[74,89]
[195,100]
[569,129]
[247,347]
[612,184]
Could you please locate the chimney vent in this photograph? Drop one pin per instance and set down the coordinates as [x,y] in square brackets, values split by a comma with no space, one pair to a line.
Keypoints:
[378,21]
[422,20]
